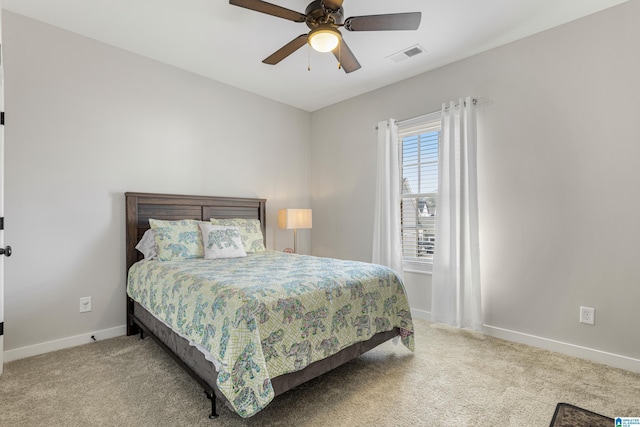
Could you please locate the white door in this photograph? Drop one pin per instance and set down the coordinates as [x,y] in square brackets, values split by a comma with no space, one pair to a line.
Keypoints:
[2,200]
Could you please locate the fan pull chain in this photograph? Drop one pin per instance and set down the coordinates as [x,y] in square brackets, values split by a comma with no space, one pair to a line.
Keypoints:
[308,58]
[339,54]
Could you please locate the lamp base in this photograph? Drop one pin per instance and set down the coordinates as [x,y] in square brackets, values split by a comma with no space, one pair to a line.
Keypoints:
[295,240]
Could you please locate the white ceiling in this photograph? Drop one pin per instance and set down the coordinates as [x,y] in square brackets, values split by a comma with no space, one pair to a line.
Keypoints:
[228,43]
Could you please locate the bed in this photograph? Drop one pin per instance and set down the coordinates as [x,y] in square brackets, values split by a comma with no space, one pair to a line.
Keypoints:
[249,328]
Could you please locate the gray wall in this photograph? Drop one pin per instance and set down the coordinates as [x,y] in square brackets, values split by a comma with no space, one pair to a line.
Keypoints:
[558,169]
[87,122]
[558,174]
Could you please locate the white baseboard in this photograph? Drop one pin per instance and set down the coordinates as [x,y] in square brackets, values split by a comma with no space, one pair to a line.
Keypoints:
[611,359]
[421,314]
[599,356]
[46,347]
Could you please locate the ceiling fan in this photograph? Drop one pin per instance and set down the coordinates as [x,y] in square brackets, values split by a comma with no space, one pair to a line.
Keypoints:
[324,17]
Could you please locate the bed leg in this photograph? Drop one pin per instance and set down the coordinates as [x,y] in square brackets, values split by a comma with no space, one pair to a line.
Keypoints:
[141,334]
[212,398]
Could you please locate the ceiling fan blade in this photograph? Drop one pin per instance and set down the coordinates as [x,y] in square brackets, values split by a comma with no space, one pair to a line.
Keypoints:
[346,58]
[270,9]
[286,50]
[333,5]
[390,22]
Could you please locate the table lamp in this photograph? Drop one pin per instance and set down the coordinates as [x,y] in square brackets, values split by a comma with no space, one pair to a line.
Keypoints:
[294,219]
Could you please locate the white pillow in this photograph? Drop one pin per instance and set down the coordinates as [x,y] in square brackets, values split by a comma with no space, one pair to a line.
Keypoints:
[147,245]
[221,241]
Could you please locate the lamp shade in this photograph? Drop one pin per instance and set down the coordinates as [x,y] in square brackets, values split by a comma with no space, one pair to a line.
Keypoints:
[294,218]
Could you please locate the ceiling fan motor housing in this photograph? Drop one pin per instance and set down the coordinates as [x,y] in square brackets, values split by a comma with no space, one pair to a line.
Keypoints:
[317,15]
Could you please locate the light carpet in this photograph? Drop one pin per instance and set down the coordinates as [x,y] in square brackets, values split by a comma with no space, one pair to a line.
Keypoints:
[454,378]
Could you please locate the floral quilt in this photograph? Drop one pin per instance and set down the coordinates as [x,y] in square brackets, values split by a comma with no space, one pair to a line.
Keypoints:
[270,313]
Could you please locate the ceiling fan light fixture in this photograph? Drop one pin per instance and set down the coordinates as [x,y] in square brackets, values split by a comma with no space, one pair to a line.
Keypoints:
[324,39]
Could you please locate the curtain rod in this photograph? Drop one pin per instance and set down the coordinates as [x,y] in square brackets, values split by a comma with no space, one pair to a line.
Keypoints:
[474,101]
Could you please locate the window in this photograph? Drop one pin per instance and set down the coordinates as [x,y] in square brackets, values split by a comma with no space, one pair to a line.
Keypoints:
[419,142]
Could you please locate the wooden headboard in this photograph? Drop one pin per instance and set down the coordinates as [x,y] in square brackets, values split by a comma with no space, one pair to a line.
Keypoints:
[142,206]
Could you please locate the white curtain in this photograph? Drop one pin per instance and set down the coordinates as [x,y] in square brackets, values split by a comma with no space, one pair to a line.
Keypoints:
[387,245]
[456,297]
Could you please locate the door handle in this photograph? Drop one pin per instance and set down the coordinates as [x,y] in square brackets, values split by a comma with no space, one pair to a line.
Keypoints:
[6,251]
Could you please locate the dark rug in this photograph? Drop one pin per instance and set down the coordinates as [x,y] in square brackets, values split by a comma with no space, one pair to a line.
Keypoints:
[571,416]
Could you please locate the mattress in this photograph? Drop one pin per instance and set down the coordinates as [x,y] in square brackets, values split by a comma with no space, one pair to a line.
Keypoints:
[270,313]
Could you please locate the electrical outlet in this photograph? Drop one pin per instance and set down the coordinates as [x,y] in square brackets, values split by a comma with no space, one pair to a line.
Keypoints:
[588,315]
[85,304]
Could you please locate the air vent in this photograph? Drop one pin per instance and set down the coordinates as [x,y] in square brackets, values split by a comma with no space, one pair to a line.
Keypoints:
[407,53]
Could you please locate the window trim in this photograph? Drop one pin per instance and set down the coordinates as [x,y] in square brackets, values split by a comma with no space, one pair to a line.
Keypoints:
[417,267]
[406,128]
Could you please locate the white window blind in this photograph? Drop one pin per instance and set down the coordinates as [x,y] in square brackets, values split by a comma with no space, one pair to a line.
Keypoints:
[420,139]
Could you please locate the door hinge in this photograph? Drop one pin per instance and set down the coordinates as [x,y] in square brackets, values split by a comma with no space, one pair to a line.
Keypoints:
[2,223]
[2,118]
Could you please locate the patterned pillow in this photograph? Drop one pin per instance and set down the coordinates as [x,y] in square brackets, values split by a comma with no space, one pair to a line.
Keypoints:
[177,239]
[250,232]
[221,242]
